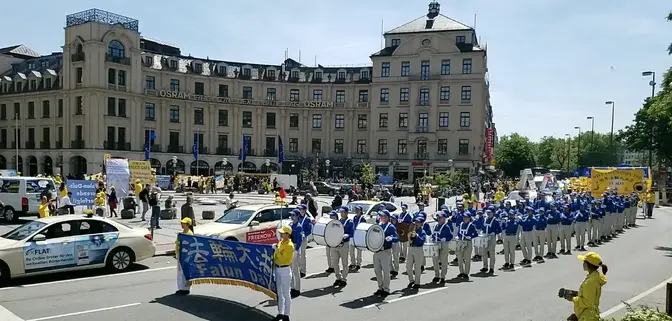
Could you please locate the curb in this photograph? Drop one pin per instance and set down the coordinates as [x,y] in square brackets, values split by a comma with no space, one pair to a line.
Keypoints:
[164,253]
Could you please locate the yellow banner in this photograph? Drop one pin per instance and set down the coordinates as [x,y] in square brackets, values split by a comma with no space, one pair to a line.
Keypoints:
[141,170]
[624,181]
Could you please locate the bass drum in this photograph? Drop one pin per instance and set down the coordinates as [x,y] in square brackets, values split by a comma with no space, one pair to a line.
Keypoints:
[280,225]
[369,237]
[328,232]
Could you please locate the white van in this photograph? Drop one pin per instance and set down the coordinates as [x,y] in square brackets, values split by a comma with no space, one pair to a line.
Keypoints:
[20,195]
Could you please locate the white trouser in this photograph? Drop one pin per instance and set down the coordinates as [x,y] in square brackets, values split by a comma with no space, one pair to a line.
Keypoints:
[552,234]
[539,240]
[396,250]
[302,261]
[296,275]
[510,248]
[283,278]
[440,272]
[580,233]
[413,261]
[340,255]
[566,237]
[404,249]
[381,267]
[355,255]
[464,248]
[328,250]
[182,283]
[489,252]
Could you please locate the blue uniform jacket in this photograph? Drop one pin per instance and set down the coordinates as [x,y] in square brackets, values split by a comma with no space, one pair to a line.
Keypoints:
[442,232]
[581,216]
[427,228]
[466,231]
[527,223]
[491,226]
[406,218]
[566,218]
[620,207]
[610,204]
[540,223]
[297,235]
[348,228]
[306,225]
[458,216]
[389,230]
[552,217]
[511,226]
[419,240]
[478,221]
[359,219]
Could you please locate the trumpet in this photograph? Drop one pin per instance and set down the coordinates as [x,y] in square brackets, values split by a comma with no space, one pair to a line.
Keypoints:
[413,234]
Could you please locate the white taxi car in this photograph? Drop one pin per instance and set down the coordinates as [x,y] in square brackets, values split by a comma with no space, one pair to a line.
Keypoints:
[371,208]
[256,223]
[69,243]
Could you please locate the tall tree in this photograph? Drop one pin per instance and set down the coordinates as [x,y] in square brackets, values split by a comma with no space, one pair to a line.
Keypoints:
[514,153]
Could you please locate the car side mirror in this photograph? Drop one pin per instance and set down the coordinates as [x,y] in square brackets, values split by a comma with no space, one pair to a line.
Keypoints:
[39,238]
[254,223]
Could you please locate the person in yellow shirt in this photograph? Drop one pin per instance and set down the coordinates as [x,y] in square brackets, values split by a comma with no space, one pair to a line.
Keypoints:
[650,202]
[499,196]
[136,190]
[43,208]
[587,300]
[282,259]
[183,286]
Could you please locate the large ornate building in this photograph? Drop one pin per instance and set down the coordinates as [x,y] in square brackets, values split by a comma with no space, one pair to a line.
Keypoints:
[423,105]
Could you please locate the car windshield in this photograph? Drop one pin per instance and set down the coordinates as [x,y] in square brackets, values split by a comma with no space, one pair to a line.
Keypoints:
[40,185]
[24,231]
[236,216]
[365,207]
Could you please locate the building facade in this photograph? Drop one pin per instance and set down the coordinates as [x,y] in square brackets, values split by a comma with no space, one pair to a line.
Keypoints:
[422,106]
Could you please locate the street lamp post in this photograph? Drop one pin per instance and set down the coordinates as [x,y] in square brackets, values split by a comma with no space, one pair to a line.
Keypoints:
[592,131]
[569,148]
[267,162]
[327,163]
[611,136]
[578,146]
[652,83]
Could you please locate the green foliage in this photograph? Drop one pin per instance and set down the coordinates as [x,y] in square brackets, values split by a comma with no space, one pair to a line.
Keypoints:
[644,313]
[309,173]
[514,153]
[367,176]
[441,180]
[589,149]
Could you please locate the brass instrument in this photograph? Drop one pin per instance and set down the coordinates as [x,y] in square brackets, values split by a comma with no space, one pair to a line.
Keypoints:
[402,231]
[413,235]
[639,187]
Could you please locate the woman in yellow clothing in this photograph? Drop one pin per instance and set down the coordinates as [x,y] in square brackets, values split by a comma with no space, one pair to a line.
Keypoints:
[43,208]
[282,259]
[587,301]
[499,196]
[183,286]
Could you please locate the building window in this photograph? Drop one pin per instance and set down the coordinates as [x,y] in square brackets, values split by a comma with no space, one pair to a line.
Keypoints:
[174,85]
[270,94]
[339,121]
[59,109]
[293,145]
[382,146]
[223,91]
[111,106]
[318,75]
[317,121]
[116,49]
[46,109]
[405,68]
[382,120]
[396,42]
[424,97]
[199,88]
[422,148]
[17,110]
[361,121]
[247,92]
[33,84]
[385,69]
[363,96]
[361,146]
[463,148]
[48,83]
[222,141]
[401,147]
[465,119]
[466,66]
[442,147]
[223,117]
[460,39]
[384,95]
[79,105]
[403,120]
[443,120]
[111,77]
[316,145]
[80,75]
[247,72]
[403,94]
[247,119]
[293,95]
[317,95]
[174,114]
[150,82]
[222,70]
[341,75]
[445,67]
[465,96]
[340,96]
[364,74]
[293,120]
[198,68]
[270,120]
[198,116]
[173,64]
[121,75]
[423,121]
[444,94]
[424,70]
[150,111]
[338,146]
[122,108]
[295,74]
[149,60]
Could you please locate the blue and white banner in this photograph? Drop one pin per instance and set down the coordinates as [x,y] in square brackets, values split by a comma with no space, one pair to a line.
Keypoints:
[83,192]
[8,172]
[118,175]
[206,260]
[163,181]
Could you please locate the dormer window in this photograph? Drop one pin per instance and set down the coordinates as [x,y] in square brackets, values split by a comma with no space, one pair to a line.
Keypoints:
[270,73]
[364,74]
[198,68]
[173,64]
[45,63]
[47,83]
[33,84]
[460,39]
[31,65]
[295,74]
[396,42]
[247,72]
[19,86]
[341,75]
[149,60]
[318,75]
[222,70]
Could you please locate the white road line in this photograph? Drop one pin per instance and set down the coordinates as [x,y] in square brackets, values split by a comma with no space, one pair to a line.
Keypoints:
[85,312]
[375,305]
[635,298]
[6,315]
[87,278]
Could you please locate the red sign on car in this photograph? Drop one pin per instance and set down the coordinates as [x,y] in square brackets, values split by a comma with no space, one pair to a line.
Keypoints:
[267,236]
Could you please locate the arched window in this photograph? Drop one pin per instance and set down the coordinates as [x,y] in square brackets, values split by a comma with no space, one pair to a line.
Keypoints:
[116,49]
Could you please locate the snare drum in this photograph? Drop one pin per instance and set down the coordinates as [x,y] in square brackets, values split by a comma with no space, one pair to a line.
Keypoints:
[452,245]
[280,225]
[430,249]
[328,232]
[481,241]
[369,237]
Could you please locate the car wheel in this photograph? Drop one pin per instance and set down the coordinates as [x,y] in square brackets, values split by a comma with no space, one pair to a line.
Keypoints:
[331,193]
[120,260]
[10,215]
[5,274]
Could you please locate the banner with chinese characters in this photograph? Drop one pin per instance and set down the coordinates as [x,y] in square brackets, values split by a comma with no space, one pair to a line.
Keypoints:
[489,144]
[206,260]
[624,181]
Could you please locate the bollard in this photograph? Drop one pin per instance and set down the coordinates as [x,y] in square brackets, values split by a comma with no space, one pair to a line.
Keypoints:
[668,299]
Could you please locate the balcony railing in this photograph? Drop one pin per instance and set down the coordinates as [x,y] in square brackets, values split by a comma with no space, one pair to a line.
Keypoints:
[113,145]
[155,148]
[118,60]
[202,150]
[361,155]
[250,152]
[424,76]
[77,57]
[270,153]
[45,145]
[421,156]
[175,149]
[77,144]
[224,151]
[30,144]
[423,102]
[363,104]
[59,144]
[422,129]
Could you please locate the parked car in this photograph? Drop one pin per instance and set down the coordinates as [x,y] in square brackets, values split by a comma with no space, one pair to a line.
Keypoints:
[255,223]
[322,188]
[20,195]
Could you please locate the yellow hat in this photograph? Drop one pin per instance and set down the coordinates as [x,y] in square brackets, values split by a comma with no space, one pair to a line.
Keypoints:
[186,220]
[137,181]
[286,230]
[466,195]
[591,257]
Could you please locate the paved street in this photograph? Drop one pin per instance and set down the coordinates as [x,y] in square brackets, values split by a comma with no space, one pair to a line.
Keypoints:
[638,260]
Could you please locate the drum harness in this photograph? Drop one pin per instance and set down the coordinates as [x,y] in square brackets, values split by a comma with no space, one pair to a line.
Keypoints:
[384,230]
[436,237]
[344,223]
[463,232]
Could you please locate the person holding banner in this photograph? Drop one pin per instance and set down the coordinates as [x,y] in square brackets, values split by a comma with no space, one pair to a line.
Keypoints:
[183,286]
[283,257]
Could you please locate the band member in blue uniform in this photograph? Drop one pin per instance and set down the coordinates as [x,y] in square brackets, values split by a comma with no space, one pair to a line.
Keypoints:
[405,217]
[511,227]
[356,253]
[297,238]
[307,225]
[339,254]
[552,231]
[415,253]
[580,221]
[334,216]
[442,234]
[491,228]
[566,221]
[428,231]
[478,222]
[457,218]
[396,247]
[620,216]
[381,259]
[539,234]
[594,223]
[465,233]
[527,236]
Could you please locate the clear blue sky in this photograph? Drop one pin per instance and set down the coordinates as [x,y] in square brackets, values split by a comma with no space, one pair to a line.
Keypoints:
[551,63]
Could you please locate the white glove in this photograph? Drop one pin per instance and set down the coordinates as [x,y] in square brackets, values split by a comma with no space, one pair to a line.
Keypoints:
[345,237]
[468,237]
[443,239]
[275,247]
[388,238]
